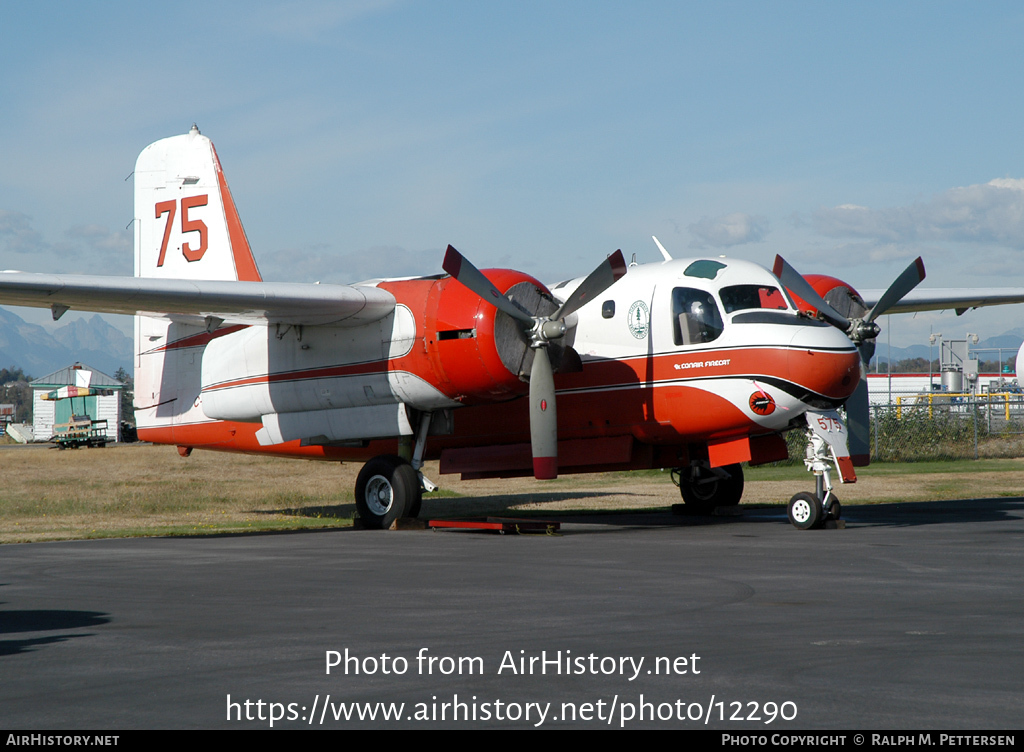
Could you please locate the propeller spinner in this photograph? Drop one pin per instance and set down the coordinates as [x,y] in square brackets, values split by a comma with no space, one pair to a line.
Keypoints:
[540,330]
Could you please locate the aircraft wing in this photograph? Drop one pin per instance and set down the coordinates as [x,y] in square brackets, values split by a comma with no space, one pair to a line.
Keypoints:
[944,299]
[199,302]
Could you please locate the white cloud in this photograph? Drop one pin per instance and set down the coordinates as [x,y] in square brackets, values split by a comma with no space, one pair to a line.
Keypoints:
[728,230]
[319,264]
[991,213]
[83,249]
[101,239]
[855,253]
[17,235]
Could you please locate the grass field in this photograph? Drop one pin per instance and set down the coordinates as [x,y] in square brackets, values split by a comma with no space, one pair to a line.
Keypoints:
[138,490]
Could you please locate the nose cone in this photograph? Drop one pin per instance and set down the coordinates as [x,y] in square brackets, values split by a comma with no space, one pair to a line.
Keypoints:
[823,360]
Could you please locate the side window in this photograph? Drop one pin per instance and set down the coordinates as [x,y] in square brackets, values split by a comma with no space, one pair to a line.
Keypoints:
[742,297]
[695,316]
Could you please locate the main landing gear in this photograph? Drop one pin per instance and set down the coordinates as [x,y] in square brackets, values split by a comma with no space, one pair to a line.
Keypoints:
[703,488]
[389,487]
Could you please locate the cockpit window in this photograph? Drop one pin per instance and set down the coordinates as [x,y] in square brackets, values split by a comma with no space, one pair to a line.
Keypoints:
[695,316]
[743,297]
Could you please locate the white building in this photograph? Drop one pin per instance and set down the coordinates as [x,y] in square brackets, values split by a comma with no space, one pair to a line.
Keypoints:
[883,389]
[45,413]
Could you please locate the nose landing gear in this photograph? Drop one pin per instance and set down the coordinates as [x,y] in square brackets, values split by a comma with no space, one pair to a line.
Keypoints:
[827,450]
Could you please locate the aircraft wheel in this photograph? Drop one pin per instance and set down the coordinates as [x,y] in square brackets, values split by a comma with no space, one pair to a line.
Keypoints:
[413,510]
[386,488]
[835,509]
[805,511]
[702,491]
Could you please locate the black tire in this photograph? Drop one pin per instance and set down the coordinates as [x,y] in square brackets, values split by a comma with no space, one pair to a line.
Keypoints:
[387,486]
[702,491]
[835,509]
[805,511]
[413,509]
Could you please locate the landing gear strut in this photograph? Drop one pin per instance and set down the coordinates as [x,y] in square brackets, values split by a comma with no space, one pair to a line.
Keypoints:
[389,486]
[808,511]
[703,488]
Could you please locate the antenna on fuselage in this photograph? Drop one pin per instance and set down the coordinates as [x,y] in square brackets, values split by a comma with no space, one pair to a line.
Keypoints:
[665,254]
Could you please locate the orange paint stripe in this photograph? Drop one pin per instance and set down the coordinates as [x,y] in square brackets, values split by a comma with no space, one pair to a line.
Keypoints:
[814,370]
[377,366]
[245,264]
[196,340]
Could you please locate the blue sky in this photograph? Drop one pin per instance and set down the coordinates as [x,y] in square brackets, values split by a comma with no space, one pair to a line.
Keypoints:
[360,138]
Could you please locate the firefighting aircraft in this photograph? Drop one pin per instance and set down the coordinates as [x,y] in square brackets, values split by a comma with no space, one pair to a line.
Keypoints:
[696,365]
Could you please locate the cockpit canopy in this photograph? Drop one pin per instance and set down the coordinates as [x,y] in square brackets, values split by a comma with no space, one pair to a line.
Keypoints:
[697,317]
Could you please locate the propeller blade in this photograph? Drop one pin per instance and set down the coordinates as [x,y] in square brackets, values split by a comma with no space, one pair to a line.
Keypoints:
[611,270]
[794,281]
[912,276]
[543,417]
[858,410]
[543,414]
[858,421]
[463,271]
[867,352]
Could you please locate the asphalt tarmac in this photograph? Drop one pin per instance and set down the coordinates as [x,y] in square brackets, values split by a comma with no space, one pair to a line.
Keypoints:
[910,618]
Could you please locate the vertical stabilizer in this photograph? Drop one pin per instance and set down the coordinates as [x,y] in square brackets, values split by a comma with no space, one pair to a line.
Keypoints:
[187,226]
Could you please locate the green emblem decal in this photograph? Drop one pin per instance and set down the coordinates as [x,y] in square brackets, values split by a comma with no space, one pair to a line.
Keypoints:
[638,319]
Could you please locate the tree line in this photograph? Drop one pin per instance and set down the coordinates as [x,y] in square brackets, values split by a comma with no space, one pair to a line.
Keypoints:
[15,390]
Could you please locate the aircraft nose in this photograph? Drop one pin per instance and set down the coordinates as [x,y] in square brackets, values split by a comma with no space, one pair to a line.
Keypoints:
[825,361]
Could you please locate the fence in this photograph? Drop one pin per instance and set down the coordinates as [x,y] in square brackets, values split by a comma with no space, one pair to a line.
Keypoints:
[942,426]
[948,426]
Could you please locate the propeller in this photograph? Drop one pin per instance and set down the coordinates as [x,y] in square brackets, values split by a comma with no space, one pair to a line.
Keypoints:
[540,331]
[862,332]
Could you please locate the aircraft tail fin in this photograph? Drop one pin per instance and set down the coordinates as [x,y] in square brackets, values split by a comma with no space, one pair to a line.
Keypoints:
[187,226]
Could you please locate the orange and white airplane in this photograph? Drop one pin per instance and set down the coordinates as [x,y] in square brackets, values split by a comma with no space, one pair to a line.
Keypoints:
[695,365]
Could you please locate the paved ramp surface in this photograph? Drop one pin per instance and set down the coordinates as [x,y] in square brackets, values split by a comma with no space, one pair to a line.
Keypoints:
[912,617]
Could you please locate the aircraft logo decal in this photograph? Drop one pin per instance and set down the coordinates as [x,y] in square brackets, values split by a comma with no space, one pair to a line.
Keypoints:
[762,403]
[638,319]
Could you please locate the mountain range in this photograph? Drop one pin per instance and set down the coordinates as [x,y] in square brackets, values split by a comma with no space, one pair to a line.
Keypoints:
[39,352]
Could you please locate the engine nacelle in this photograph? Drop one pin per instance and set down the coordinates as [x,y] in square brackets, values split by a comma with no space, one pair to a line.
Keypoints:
[442,346]
[471,351]
[838,294]
[263,370]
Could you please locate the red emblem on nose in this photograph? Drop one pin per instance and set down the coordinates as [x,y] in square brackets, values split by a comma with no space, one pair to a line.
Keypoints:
[762,403]
[543,405]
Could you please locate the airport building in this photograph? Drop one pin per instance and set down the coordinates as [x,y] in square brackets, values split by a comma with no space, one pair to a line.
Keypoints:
[102,407]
